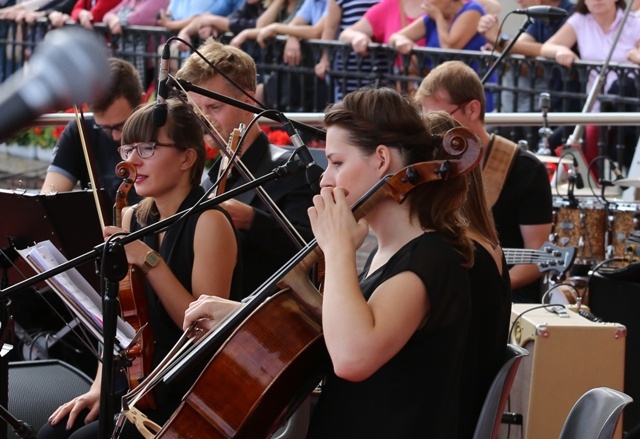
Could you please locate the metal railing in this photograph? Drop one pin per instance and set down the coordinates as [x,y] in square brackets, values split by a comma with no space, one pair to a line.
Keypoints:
[515,87]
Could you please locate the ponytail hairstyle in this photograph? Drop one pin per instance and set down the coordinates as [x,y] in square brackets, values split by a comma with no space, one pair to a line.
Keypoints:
[382,116]
[183,129]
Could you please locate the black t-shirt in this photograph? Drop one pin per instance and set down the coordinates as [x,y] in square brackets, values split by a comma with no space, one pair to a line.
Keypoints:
[68,159]
[525,200]
[415,394]
[266,247]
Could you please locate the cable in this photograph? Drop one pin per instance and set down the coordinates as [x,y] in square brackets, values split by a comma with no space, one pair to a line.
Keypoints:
[574,292]
[546,307]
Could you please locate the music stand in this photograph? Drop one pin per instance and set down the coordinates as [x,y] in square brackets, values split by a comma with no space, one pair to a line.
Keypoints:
[68,219]
[65,218]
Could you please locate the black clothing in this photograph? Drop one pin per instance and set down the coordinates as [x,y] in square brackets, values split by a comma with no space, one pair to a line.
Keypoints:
[177,251]
[68,159]
[415,394]
[265,247]
[245,17]
[488,333]
[525,199]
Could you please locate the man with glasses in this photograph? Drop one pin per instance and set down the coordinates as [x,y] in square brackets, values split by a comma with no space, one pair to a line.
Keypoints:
[516,182]
[102,131]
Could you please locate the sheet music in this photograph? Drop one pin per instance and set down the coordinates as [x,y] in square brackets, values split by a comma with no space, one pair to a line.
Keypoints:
[76,292]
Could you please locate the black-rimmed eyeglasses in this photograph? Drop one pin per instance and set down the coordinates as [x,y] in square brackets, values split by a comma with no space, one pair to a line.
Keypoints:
[451,113]
[109,129]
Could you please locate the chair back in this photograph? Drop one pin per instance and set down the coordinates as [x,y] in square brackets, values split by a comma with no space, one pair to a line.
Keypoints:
[496,399]
[595,414]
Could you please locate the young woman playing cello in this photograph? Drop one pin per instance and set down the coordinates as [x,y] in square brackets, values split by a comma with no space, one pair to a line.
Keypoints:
[396,333]
[197,255]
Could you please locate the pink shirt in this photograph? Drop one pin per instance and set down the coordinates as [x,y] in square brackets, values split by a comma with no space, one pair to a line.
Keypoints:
[384,18]
[594,44]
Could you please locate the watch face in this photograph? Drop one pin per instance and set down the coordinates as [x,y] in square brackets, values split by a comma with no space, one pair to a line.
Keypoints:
[153,258]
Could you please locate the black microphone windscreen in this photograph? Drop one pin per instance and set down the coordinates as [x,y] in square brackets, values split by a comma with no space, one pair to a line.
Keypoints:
[541,12]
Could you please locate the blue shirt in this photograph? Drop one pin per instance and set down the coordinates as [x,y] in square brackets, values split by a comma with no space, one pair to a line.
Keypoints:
[181,9]
[541,30]
[432,31]
[312,11]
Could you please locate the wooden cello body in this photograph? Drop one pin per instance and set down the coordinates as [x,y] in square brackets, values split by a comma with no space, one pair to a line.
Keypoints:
[276,356]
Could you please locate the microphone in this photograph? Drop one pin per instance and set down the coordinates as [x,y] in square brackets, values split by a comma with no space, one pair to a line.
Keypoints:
[544,132]
[544,13]
[313,171]
[67,68]
[160,110]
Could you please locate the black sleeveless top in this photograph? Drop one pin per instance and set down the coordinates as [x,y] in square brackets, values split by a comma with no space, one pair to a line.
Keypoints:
[415,394]
[177,251]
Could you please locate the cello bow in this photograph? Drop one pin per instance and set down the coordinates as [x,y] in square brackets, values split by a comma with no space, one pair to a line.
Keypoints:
[272,352]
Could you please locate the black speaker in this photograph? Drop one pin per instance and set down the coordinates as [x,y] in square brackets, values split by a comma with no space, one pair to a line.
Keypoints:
[37,388]
[618,300]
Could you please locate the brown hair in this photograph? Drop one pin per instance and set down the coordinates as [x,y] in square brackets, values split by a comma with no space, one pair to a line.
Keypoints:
[232,62]
[460,81]
[182,128]
[124,82]
[382,116]
[581,6]
[476,209]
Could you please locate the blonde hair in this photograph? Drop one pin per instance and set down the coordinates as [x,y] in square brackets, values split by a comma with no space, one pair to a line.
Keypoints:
[230,61]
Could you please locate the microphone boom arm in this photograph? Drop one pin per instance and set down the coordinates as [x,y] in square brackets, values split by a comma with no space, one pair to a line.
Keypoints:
[174,83]
[506,50]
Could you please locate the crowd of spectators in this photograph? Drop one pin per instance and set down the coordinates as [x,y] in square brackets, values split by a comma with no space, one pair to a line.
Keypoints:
[400,24]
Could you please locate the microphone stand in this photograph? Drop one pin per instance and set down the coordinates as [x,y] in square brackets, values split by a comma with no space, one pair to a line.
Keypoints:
[506,50]
[575,139]
[114,262]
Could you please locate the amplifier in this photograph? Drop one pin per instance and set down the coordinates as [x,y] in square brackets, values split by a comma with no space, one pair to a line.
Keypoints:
[568,355]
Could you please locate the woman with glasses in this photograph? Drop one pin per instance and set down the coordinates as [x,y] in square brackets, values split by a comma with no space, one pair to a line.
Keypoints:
[194,256]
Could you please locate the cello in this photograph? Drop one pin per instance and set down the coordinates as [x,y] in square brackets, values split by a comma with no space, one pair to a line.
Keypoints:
[133,303]
[273,352]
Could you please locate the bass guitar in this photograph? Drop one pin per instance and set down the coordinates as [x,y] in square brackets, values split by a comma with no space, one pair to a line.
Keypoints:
[549,258]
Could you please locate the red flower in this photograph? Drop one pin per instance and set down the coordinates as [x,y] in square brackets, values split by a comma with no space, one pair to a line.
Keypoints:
[279,137]
[37,131]
[57,131]
[210,151]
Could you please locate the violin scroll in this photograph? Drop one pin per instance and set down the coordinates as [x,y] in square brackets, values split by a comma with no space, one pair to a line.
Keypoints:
[125,170]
